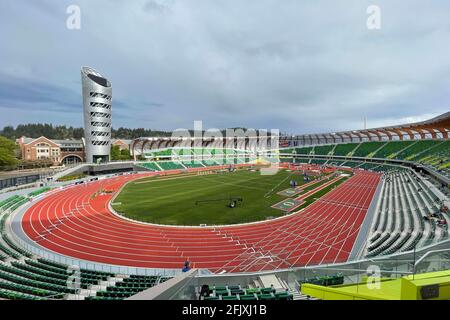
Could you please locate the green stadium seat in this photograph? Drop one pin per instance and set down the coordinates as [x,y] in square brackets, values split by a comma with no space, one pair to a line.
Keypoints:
[391,148]
[229,298]
[170,165]
[283,296]
[366,149]
[267,296]
[345,149]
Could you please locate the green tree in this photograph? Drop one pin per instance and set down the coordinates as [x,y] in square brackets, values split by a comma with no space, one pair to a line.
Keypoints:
[7,152]
[115,153]
[125,154]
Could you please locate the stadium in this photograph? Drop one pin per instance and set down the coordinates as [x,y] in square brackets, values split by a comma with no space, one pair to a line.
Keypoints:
[334,207]
[311,160]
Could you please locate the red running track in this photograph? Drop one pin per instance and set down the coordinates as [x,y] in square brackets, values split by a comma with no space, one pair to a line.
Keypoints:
[74,223]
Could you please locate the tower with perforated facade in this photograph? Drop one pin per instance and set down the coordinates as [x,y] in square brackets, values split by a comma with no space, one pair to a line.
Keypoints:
[97,103]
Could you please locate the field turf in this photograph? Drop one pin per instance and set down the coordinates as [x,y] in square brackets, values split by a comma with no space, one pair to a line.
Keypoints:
[203,199]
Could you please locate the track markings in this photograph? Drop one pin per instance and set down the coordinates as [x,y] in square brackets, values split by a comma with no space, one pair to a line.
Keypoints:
[288,205]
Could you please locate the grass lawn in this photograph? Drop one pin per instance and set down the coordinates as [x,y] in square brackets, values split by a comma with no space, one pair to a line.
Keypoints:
[173,199]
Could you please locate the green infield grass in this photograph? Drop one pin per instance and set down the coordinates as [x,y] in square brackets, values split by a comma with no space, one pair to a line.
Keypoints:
[191,199]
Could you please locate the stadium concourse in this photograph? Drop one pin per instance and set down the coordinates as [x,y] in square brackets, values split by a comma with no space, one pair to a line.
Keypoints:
[79,223]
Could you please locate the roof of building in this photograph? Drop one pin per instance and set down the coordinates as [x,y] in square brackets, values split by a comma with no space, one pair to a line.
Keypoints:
[439,124]
[71,142]
[28,140]
[95,76]
[126,141]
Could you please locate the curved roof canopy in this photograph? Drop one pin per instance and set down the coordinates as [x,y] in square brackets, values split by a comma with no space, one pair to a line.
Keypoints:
[436,128]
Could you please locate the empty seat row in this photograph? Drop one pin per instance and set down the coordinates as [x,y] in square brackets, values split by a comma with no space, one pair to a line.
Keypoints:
[128,287]
[236,292]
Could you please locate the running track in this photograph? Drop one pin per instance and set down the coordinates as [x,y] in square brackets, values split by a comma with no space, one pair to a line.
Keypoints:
[74,223]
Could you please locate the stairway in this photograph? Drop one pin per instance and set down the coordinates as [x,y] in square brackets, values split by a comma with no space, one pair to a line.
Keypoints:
[332,150]
[270,280]
[161,169]
[69,171]
[305,297]
[81,295]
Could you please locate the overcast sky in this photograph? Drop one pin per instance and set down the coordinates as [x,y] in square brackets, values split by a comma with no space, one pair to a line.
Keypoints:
[298,66]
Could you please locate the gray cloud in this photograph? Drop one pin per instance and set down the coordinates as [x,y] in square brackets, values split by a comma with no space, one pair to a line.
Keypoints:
[298,66]
[157,6]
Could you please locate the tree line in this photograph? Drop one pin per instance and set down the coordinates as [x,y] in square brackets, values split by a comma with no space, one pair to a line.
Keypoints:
[61,132]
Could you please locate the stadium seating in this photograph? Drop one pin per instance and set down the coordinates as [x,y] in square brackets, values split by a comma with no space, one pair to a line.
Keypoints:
[331,280]
[217,152]
[229,152]
[237,292]
[16,248]
[323,150]
[367,149]
[128,287]
[385,168]
[192,164]
[391,148]
[39,191]
[17,276]
[31,279]
[182,152]
[6,251]
[436,158]
[412,150]
[170,165]
[14,295]
[442,149]
[183,158]
[12,202]
[287,151]
[419,147]
[305,150]
[25,278]
[200,152]
[7,247]
[21,289]
[286,159]
[150,165]
[399,224]
[213,162]
[345,149]
[161,153]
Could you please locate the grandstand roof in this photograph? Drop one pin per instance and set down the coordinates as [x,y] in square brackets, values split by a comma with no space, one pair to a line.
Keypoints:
[435,128]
